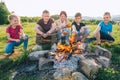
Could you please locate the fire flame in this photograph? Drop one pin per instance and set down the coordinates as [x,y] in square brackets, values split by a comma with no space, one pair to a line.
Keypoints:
[64,50]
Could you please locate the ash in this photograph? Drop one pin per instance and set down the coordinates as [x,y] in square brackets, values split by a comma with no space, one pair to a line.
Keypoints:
[71,63]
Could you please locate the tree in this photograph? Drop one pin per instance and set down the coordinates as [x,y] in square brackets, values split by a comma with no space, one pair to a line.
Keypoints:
[3,13]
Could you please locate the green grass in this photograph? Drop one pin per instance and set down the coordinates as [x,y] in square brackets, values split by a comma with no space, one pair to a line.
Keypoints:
[111,73]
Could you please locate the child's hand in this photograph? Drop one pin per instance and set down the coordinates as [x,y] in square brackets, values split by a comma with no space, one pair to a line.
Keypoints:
[82,30]
[24,37]
[17,40]
[44,35]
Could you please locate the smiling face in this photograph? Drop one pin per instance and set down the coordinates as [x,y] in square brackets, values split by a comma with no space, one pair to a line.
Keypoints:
[78,19]
[106,18]
[63,17]
[14,21]
[46,17]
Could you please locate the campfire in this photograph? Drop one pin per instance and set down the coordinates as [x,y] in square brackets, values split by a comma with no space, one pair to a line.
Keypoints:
[74,61]
[64,51]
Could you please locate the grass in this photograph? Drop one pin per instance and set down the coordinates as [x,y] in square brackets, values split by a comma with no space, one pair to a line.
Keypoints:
[112,73]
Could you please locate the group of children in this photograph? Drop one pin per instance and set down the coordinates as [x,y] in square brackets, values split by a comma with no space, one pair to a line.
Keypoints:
[46,28]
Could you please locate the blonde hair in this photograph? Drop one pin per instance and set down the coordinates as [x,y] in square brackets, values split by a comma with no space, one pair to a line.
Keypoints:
[11,16]
[107,13]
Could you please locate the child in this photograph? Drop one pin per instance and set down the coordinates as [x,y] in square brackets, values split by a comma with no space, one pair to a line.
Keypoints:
[80,29]
[63,32]
[104,29]
[15,35]
[44,29]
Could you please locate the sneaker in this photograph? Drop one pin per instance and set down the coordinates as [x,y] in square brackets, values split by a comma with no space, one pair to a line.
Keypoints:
[9,54]
[98,44]
[12,52]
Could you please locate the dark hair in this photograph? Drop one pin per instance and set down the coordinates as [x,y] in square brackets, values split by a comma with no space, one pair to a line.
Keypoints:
[78,14]
[45,11]
[63,12]
[107,13]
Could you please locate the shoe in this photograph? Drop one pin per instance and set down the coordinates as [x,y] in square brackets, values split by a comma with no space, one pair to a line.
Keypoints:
[12,52]
[98,44]
[9,54]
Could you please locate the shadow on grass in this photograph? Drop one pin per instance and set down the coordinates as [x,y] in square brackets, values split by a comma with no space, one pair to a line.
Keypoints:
[8,65]
[5,65]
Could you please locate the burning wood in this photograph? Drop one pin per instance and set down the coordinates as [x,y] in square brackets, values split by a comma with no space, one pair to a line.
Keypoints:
[65,51]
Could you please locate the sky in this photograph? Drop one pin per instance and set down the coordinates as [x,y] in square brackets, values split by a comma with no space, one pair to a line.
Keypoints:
[92,8]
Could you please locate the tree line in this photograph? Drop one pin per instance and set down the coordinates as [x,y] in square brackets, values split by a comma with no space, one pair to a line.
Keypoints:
[4,12]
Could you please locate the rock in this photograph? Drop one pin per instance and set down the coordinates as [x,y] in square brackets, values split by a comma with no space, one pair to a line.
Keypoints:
[64,69]
[87,49]
[78,76]
[13,75]
[81,56]
[105,62]
[102,52]
[36,48]
[37,54]
[89,66]
[43,61]
[62,73]
[30,68]
[71,64]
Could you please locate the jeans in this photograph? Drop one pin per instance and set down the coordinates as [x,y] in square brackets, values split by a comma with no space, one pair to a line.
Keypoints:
[105,36]
[10,46]
[83,34]
[86,32]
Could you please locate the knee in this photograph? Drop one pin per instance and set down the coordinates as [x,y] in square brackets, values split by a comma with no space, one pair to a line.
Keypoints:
[26,37]
[97,34]
[113,39]
[8,50]
[87,31]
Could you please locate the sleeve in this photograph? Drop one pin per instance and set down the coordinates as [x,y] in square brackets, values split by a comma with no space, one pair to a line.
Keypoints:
[60,25]
[100,25]
[19,28]
[73,28]
[8,30]
[111,28]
